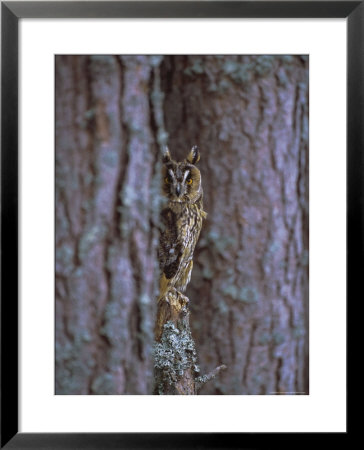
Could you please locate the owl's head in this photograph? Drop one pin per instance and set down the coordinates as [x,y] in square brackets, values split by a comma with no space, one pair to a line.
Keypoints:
[182,180]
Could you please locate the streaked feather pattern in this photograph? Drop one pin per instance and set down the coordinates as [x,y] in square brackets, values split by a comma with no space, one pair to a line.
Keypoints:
[181,221]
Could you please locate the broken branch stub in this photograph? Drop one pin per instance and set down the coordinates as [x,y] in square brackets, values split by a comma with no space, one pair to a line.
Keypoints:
[175,356]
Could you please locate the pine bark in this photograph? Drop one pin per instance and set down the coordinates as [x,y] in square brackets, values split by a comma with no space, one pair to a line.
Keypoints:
[249,288]
[107,171]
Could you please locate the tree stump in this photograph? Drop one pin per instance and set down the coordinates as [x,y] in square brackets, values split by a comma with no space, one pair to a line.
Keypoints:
[175,356]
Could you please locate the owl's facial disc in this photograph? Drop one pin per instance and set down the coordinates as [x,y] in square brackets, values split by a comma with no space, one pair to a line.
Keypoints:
[181,182]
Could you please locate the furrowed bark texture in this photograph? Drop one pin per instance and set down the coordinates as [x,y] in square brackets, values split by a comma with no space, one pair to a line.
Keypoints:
[107,173]
[249,288]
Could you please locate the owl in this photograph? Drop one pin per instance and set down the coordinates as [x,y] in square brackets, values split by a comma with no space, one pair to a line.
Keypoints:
[181,220]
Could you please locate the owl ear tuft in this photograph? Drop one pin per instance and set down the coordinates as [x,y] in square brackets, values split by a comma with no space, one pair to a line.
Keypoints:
[194,155]
[166,155]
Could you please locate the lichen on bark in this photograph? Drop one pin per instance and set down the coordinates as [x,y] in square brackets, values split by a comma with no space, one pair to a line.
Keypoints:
[175,357]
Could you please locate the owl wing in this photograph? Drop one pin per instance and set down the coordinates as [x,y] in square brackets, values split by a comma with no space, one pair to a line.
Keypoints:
[170,244]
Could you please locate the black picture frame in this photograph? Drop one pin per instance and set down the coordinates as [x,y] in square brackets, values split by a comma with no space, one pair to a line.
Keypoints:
[11,12]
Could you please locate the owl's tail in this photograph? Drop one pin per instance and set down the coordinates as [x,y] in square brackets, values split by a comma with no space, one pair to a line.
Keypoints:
[163,286]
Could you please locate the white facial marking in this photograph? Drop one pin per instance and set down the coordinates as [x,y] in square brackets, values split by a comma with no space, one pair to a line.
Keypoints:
[170,171]
[186,175]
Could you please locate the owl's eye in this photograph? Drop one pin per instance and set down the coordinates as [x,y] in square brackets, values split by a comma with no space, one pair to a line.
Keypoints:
[189,181]
[167,180]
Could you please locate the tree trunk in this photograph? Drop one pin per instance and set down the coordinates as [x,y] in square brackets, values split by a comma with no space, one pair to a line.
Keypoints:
[249,288]
[107,190]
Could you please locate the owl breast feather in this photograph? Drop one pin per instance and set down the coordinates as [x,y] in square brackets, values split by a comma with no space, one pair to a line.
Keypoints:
[169,247]
[178,239]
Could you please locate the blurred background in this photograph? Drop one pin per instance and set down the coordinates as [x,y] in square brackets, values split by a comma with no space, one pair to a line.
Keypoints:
[249,287]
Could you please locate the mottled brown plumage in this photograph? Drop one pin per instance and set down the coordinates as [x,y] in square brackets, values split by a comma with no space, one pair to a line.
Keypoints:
[181,220]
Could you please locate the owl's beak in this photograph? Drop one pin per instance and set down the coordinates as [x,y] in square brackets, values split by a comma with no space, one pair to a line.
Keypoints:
[178,190]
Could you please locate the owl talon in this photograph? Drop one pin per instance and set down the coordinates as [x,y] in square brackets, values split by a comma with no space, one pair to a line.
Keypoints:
[183,300]
[171,295]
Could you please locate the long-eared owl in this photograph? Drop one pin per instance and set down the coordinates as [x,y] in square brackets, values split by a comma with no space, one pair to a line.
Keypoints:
[181,220]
